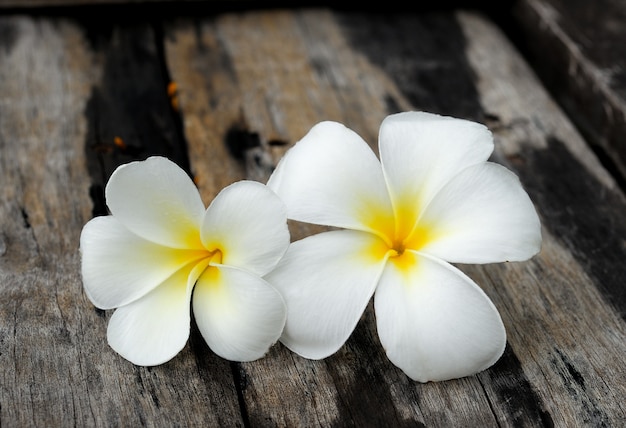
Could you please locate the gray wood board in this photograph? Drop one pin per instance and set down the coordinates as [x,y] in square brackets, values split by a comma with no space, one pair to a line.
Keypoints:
[248,85]
[578,49]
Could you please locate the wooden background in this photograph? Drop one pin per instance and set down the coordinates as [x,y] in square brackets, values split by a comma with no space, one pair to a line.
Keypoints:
[224,89]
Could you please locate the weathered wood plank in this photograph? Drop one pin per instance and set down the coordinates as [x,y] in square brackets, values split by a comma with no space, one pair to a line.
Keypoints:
[248,86]
[566,318]
[129,112]
[578,50]
[61,98]
[288,70]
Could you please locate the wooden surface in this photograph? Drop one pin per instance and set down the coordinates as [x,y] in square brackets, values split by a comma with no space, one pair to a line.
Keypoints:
[579,50]
[248,84]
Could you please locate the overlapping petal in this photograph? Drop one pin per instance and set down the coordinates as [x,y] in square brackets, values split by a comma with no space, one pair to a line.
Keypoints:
[119,266]
[327,281]
[482,215]
[247,222]
[331,177]
[156,200]
[238,313]
[420,152]
[434,322]
[146,258]
[442,201]
[153,329]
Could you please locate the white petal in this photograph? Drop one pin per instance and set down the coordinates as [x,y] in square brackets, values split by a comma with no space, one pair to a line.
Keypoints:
[331,177]
[247,222]
[483,215]
[153,329]
[421,151]
[239,314]
[326,281]
[119,266]
[434,322]
[158,201]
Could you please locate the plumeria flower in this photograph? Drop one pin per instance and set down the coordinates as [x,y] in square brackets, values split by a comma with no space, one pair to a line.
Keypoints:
[431,200]
[160,249]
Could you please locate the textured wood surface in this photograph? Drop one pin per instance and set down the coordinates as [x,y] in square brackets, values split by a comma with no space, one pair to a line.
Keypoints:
[579,50]
[247,85]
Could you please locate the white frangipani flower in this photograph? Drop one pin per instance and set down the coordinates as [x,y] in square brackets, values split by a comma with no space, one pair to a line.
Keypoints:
[161,249]
[431,200]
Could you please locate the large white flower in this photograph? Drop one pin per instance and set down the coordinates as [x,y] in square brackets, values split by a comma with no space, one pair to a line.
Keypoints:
[431,200]
[161,249]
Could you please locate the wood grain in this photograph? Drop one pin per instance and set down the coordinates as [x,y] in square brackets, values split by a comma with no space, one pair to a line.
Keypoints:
[57,369]
[358,80]
[578,50]
[248,85]
[565,324]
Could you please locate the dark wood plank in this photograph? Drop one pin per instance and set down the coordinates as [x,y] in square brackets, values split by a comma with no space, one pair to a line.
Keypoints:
[130,113]
[566,327]
[62,98]
[578,49]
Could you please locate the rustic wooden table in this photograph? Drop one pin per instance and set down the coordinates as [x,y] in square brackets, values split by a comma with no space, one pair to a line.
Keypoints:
[224,92]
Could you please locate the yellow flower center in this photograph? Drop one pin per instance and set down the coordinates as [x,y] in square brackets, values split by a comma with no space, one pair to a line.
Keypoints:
[215,256]
[400,231]
[207,261]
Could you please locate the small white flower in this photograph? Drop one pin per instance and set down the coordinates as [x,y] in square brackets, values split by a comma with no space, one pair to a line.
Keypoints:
[431,200]
[160,250]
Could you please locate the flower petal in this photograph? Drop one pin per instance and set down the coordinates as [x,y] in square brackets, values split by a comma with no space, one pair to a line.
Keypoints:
[331,177]
[327,280]
[483,215]
[421,151]
[158,201]
[119,266]
[247,222]
[153,329]
[434,322]
[239,314]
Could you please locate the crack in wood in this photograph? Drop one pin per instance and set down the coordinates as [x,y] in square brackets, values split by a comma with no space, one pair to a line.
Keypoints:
[130,113]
